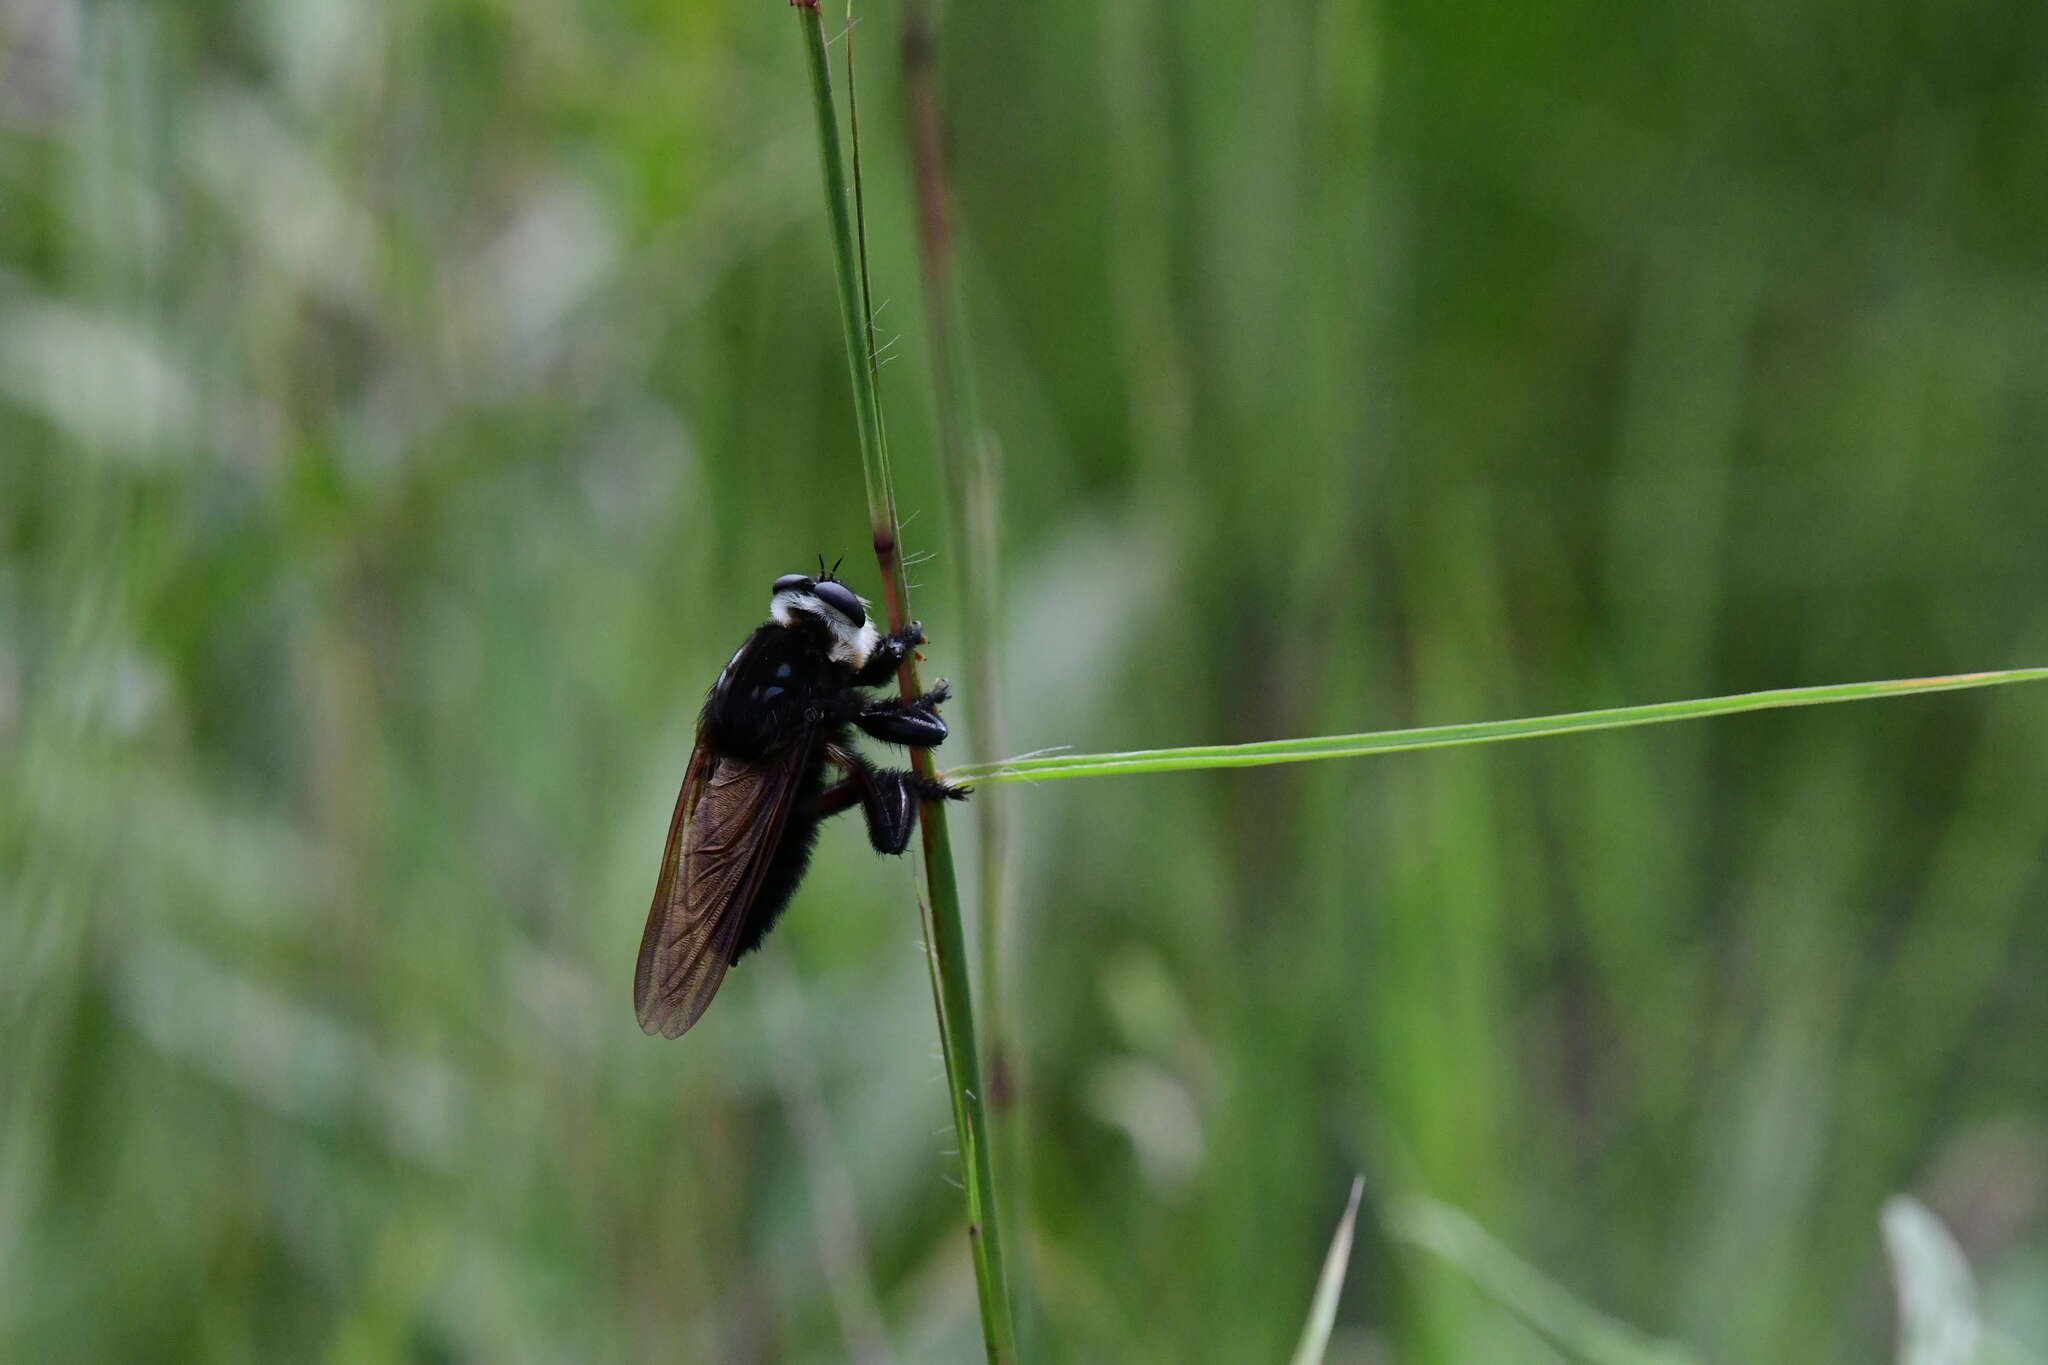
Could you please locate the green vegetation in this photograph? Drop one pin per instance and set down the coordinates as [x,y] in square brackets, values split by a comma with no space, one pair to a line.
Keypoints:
[404,408]
[939,897]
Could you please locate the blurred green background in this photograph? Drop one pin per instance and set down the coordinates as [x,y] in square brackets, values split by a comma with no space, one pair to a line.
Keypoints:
[405,405]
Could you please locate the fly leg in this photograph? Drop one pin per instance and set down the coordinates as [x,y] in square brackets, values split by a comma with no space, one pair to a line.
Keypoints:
[915,723]
[888,655]
[835,798]
[889,797]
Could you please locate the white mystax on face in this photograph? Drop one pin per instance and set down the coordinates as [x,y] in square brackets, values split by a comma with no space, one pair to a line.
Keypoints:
[854,636]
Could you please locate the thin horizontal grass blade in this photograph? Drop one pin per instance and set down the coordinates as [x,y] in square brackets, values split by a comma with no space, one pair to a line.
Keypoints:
[1482,732]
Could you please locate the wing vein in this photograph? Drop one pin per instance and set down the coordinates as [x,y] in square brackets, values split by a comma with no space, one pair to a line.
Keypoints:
[728,820]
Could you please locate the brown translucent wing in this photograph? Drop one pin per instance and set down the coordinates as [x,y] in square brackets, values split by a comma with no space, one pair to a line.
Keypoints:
[728,820]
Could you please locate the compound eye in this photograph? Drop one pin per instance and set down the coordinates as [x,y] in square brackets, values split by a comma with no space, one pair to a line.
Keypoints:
[791,582]
[840,598]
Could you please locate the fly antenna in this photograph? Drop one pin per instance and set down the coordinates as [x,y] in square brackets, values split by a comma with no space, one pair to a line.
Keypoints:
[835,565]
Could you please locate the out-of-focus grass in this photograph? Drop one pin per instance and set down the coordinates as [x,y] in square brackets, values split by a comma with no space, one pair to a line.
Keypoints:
[403,409]
[1322,1312]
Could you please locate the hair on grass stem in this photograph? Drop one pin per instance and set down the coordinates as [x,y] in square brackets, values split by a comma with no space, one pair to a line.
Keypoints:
[860,229]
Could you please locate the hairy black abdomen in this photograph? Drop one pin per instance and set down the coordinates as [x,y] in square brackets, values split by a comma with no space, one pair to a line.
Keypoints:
[792,857]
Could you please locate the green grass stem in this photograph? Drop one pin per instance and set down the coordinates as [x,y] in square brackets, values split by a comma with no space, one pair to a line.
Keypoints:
[1049,767]
[968,456]
[946,938]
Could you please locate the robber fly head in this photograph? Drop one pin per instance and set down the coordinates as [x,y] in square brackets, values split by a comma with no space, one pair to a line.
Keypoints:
[837,607]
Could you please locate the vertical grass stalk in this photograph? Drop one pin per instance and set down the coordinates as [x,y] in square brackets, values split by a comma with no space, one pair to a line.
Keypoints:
[969,458]
[860,224]
[945,934]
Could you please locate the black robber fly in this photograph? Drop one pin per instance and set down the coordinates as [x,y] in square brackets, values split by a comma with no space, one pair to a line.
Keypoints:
[778,718]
